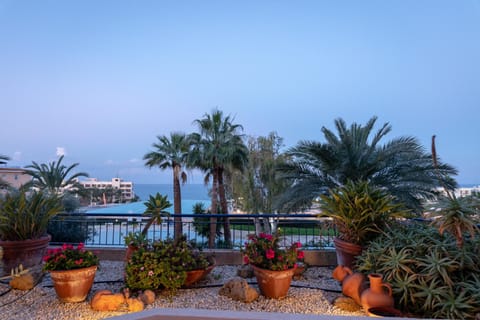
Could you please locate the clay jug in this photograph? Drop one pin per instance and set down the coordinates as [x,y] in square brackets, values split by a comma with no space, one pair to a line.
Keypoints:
[353,283]
[378,295]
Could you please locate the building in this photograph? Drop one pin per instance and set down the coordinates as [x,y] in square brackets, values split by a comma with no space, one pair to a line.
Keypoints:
[126,187]
[14,177]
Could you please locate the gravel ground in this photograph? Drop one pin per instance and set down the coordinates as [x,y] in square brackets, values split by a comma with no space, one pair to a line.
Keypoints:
[41,301]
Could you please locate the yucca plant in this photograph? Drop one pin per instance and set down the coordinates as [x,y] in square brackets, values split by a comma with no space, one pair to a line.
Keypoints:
[360,211]
[26,215]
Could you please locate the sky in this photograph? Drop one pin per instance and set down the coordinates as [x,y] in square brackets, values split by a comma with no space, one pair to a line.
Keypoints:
[98,81]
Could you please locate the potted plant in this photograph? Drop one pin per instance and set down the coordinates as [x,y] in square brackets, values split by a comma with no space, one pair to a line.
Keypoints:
[24,219]
[134,241]
[359,212]
[272,265]
[167,264]
[72,271]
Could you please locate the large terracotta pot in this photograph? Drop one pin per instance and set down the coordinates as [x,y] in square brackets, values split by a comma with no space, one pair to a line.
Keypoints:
[29,253]
[378,295]
[73,285]
[353,283]
[273,284]
[346,252]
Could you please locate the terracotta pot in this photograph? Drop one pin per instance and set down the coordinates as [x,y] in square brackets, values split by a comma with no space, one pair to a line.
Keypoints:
[273,284]
[380,312]
[353,283]
[130,251]
[346,252]
[29,253]
[73,285]
[378,295]
[194,276]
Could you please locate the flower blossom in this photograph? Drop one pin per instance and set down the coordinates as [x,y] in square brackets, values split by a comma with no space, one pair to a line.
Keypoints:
[270,254]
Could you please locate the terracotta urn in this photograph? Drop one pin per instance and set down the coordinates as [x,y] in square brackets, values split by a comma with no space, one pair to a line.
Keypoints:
[194,276]
[353,283]
[273,284]
[73,285]
[378,295]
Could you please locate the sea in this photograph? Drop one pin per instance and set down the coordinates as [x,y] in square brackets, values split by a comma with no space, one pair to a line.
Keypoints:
[191,194]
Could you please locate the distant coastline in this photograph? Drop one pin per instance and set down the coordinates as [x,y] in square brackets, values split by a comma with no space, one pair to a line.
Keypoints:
[188,191]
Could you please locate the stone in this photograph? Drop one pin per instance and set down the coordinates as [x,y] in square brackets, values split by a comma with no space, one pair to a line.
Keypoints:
[238,289]
[135,305]
[245,271]
[147,296]
[105,300]
[23,282]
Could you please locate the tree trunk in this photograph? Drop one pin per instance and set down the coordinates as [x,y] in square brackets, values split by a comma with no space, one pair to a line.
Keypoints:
[224,206]
[177,204]
[213,220]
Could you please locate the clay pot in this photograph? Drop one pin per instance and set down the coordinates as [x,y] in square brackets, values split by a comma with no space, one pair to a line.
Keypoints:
[379,295]
[73,285]
[29,253]
[273,284]
[380,312]
[353,283]
[346,252]
[194,276]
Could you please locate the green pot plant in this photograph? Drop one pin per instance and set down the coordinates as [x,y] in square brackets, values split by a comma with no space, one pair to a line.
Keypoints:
[359,212]
[167,265]
[72,270]
[24,218]
[273,265]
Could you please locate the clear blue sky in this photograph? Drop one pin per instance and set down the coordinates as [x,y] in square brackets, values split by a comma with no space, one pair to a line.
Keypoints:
[99,80]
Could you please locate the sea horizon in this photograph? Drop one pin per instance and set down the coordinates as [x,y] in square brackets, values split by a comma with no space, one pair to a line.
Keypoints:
[188,191]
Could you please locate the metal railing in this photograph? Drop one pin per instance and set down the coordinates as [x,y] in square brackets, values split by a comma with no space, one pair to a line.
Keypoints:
[109,230]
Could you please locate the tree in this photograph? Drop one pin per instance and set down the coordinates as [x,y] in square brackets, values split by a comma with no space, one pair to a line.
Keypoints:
[218,145]
[401,166]
[155,206]
[172,153]
[3,160]
[54,176]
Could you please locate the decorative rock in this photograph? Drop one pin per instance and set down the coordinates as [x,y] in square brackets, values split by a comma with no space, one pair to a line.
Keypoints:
[245,271]
[23,282]
[135,305]
[238,289]
[148,297]
[105,300]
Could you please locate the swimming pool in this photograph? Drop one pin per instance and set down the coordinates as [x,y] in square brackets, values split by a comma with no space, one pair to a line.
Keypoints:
[139,208]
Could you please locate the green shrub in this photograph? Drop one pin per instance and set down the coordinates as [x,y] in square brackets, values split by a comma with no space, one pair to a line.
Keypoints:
[163,265]
[430,276]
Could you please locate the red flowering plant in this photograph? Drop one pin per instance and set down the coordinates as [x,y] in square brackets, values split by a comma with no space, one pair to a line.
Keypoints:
[68,257]
[264,251]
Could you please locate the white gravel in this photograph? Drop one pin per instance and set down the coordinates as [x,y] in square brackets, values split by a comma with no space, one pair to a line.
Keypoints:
[42,303]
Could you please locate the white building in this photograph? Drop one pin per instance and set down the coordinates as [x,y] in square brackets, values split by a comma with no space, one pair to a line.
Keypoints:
[126,187]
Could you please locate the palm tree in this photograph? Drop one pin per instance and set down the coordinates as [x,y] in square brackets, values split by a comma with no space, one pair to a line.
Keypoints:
[172,153]
[401,166]
[3,160]
[155,206]
[218,145]
[54,176]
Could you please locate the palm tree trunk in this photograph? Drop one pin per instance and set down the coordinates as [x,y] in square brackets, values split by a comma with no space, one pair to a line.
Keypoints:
[224,206]
[213,220]
[177,204]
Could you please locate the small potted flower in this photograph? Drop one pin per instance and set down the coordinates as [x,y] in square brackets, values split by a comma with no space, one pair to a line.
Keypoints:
[272,265]
[72,271]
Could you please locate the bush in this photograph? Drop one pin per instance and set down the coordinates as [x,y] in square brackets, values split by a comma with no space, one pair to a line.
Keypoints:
[69,229]
[163,265]
[430,276]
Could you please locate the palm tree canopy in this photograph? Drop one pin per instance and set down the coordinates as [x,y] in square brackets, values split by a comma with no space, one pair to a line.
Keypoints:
[3,159]
[218,143]
[400,166]
[169,152]
[54,176]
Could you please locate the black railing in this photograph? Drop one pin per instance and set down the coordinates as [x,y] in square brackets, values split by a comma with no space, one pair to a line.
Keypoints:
[110,230]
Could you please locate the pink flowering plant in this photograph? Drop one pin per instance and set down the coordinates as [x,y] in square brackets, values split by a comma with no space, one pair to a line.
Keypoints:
[264,251]
[68,257]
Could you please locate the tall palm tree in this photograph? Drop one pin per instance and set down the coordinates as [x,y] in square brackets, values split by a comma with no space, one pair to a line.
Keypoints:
[400,166]
[3,159]
[172,153]
[218,145]
[54,176]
